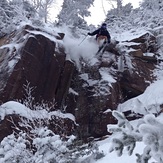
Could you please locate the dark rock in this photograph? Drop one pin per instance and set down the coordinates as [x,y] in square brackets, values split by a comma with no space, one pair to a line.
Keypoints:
[60,36]
[8,125]
[136,53]
[147,42]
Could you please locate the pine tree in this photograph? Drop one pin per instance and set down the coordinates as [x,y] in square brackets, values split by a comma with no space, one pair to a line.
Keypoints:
[5,16]
[152,133]
[150,13]
[149,130]
[125,136]
[74,11]
[23,9]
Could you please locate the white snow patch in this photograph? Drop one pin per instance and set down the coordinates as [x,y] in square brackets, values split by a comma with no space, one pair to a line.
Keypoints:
[106,76]
[131,34]
[90,82]
[148,54]
[13,107]
[148,102]
[73,92]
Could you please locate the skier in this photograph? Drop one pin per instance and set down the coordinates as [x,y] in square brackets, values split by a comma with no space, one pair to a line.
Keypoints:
[101,34]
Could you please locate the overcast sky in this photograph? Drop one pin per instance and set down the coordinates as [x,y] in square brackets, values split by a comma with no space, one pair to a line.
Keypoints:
[101,7]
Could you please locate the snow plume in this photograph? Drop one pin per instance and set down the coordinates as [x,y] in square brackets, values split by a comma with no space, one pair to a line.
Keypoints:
[79,48]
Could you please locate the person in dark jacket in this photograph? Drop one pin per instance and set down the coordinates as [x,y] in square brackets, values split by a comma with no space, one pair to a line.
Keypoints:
[101,33]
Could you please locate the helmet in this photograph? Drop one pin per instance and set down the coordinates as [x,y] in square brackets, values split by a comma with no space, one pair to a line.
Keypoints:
[103,25]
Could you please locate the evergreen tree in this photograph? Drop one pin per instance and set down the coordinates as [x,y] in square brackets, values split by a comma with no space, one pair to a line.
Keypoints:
[149,130]
[5,16]
[154,5]
[23,8]
[14,12]
[118,7]
[124,135]
[150,13]
[119,19]
[74,11]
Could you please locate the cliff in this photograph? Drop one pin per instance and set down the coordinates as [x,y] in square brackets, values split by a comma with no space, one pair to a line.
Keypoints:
[36,58]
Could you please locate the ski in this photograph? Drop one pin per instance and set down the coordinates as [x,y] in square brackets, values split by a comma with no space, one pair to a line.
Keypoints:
[101,48]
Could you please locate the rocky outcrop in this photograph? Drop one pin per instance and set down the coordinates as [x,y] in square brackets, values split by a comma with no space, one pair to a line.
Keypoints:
[132,76]
[87,94]
[40,64]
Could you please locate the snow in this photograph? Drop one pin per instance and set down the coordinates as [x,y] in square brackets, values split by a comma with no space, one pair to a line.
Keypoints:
[113,158]
[12,107]
[106,76]
[148,102]
[76,50]
[130,35]
[90,82]
[73,92]
[50,36]
[148,54]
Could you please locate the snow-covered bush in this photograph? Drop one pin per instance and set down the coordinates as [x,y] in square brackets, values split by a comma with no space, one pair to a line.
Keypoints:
[41,135]
[13,149]
[38,144]
[152,133]
[45,147]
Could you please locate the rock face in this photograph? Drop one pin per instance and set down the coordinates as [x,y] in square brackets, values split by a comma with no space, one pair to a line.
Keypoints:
[40,65]
[92,101]
[41,62]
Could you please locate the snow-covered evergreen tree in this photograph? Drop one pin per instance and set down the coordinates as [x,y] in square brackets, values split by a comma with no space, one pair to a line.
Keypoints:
[154,5]
[152,133]
[42,7]
[5,16]
[125,135]
[23,9]
[118,4]
[151,13]
[13,13]
[119,19]
[74,11]
[149,130]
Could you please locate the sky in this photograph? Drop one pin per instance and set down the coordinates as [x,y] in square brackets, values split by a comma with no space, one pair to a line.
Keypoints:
[102,6]
[98,10]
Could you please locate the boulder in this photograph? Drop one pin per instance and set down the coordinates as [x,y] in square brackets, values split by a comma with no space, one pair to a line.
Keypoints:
[147,42]
[136,53]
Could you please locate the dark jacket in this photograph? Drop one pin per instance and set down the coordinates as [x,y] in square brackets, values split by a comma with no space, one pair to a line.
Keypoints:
[101,32]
